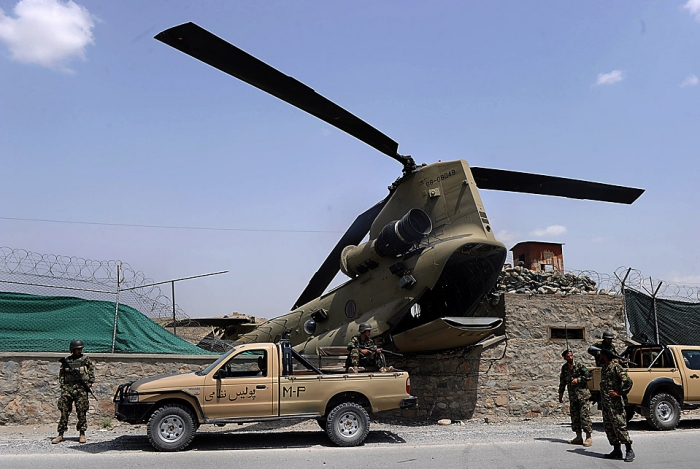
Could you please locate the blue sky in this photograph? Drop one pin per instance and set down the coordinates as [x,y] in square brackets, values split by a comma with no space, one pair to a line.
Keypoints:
[106,128]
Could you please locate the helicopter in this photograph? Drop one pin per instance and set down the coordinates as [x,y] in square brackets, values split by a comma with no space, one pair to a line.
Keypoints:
[431,257]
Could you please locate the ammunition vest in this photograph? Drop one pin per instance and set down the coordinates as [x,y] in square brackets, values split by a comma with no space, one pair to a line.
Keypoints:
[76,370]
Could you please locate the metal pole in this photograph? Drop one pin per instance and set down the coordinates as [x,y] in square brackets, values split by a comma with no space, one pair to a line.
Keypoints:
[624,302]
[116,307]
[174,320]
[656,316]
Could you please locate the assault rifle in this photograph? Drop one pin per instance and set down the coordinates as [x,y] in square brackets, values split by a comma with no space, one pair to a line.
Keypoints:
[593,350]
[65,364]
[388,352]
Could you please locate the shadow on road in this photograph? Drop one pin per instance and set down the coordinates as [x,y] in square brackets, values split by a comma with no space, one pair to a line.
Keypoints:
[234,440]
[553,440]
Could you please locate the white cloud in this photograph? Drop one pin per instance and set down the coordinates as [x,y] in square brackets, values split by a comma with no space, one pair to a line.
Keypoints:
[693,6]
[507,236]
[690,80]
[685,279]
[47,32]
[609,78]
[553,230]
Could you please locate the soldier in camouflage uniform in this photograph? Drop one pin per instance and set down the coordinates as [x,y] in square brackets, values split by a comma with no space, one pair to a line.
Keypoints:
[614,384]
[606,344]
[359,353]
[75,378]
[575,376]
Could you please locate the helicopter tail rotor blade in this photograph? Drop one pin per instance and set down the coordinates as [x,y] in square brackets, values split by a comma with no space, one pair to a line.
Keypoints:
[330,267]
[514,181]
[205,46]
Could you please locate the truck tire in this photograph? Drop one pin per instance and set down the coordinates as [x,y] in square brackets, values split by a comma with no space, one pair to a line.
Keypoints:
[664,412]
[347,424]
[171,428]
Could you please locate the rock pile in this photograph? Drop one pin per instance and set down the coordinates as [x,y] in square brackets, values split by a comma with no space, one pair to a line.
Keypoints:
[529,282]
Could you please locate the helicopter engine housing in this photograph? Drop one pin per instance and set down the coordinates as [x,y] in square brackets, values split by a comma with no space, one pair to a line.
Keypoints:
[396,238]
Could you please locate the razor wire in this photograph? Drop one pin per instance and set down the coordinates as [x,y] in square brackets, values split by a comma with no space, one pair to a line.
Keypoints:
[32,273]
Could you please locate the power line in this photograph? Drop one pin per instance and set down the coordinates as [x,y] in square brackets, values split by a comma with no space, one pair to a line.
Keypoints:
[167,227]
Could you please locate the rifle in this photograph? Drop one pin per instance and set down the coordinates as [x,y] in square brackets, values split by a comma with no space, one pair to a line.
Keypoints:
[388,352]
[65,364]
[593,350]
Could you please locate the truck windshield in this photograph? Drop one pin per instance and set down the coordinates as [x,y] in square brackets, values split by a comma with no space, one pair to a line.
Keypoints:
[216,364]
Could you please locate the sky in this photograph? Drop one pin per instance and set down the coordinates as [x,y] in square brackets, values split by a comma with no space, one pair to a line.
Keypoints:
[114,146]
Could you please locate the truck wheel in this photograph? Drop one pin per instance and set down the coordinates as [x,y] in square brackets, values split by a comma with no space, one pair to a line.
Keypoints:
[664,412]
[171,428]
[348,424]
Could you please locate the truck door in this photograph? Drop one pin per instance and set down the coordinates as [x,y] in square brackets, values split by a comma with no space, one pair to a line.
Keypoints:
[241,387]
[691,374]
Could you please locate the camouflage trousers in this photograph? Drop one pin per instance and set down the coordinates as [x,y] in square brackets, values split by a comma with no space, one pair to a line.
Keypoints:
[615,422]
[373,360]
[73,393]
[580,412]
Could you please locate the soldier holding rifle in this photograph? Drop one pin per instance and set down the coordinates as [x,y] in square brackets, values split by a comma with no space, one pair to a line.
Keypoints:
[75,378]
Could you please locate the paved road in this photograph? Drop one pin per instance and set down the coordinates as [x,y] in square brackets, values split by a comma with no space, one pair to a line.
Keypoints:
[528,444]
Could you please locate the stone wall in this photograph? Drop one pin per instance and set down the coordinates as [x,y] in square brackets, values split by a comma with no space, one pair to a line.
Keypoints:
[516,377]
[519,376]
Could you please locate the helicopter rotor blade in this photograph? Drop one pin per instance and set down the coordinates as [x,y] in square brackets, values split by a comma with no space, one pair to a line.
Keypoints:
[330,267]
[514,181]
[199,43]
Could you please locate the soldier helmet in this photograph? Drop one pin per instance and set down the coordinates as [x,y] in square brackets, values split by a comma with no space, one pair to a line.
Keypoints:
[608,335]
[365,326]
[563,354]
[76,344]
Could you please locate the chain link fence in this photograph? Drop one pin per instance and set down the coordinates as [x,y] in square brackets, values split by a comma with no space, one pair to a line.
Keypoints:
[34,287]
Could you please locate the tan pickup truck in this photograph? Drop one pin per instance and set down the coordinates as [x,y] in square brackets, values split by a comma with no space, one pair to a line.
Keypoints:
[260,382]
[666,380]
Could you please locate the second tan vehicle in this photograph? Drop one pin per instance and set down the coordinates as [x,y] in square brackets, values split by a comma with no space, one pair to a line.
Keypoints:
[260,382]
[666,380]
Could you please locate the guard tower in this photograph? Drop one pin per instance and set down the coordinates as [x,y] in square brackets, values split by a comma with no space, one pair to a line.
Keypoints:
[539,256]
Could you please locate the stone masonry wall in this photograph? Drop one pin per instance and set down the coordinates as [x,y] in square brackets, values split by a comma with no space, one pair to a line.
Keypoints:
[517,377]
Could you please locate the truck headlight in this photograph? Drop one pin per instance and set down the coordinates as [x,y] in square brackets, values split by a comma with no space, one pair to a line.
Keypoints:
[132,396]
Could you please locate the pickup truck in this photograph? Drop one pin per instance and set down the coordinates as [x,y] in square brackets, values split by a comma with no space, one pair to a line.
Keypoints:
[666,380]
[260,382]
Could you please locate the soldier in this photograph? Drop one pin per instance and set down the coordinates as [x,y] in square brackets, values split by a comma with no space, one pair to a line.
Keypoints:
[575,376]
[75,378]
[614,384]
[363,352]
[606,344]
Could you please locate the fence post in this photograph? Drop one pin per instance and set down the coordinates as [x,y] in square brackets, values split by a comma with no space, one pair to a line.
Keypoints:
[624,301]
[172,284]
[116,307]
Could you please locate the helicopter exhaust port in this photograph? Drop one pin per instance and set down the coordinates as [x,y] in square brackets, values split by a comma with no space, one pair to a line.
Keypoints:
[396,238]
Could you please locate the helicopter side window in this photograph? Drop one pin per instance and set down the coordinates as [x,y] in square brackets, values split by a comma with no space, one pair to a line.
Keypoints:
[246,364]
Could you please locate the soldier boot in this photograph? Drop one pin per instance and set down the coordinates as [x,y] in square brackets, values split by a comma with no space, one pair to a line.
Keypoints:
[629,456]
[82,438]
[578,440]
[589,439]
[615,454]
[58,439]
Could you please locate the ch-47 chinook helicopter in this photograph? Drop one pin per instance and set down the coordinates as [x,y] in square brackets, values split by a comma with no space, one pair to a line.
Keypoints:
[431,256]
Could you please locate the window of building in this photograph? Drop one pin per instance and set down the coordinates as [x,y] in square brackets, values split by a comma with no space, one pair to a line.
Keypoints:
[567,333]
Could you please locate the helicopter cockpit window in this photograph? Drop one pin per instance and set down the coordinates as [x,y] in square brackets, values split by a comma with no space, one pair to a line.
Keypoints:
[245,364]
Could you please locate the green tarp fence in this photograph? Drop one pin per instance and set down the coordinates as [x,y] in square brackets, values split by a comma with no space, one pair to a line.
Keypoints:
[30,323]
[677,322]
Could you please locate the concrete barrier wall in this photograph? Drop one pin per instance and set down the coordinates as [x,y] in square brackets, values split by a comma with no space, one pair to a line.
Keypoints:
[517,377]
